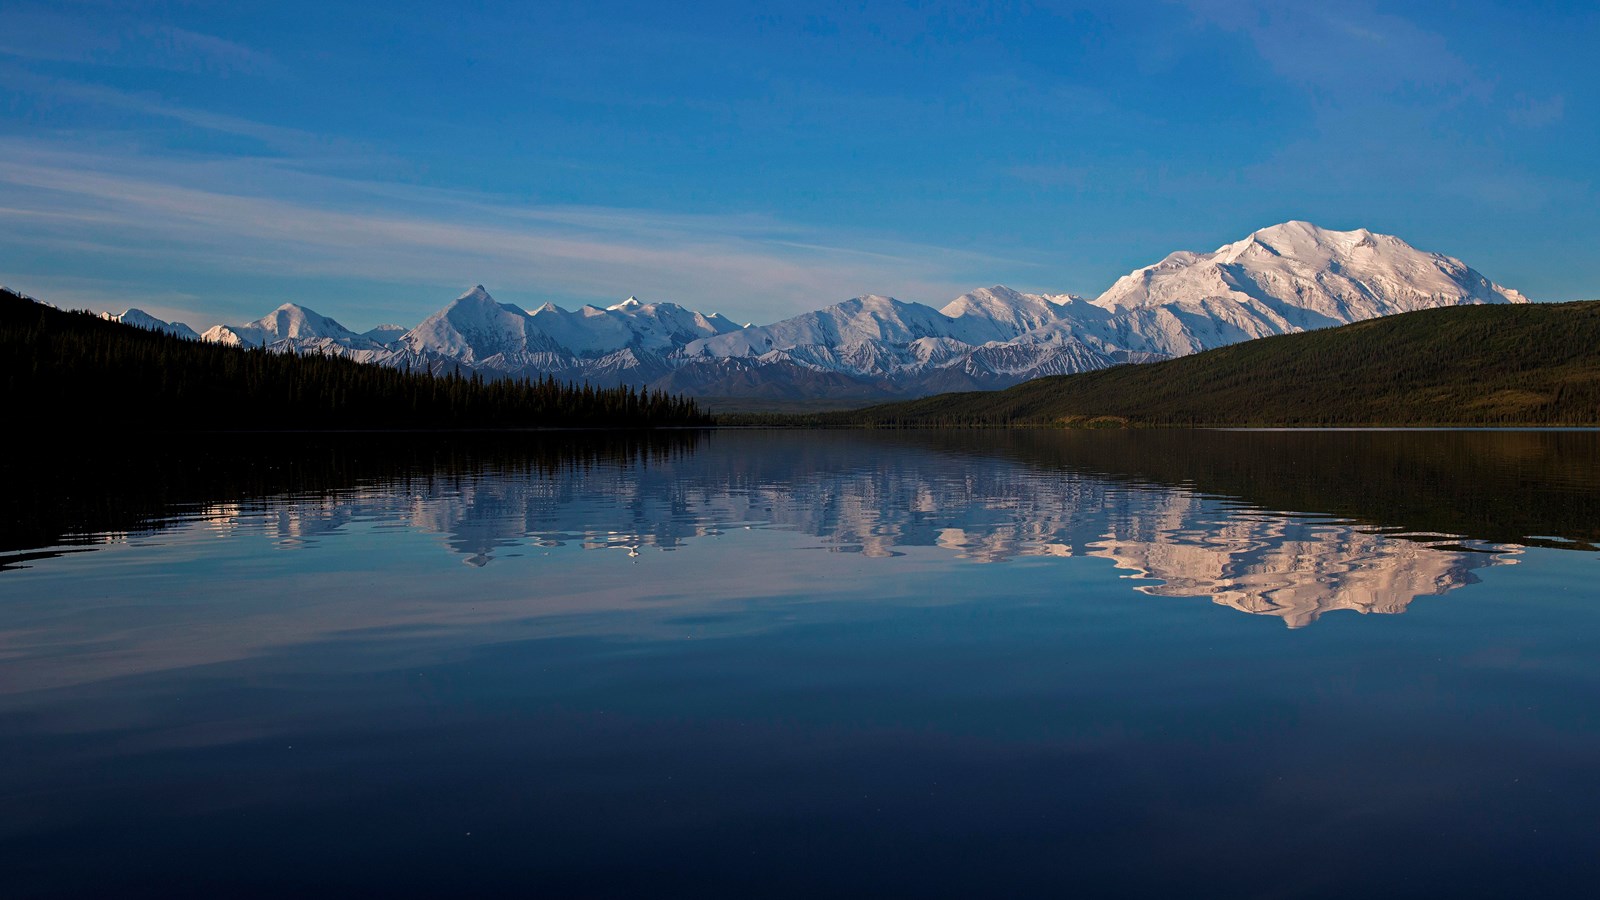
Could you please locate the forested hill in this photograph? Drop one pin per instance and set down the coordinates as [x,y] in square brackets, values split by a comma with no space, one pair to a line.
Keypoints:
[1535,364]
[75,371]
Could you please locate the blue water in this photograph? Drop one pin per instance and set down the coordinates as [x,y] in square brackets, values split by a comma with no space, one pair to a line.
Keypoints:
[796,663]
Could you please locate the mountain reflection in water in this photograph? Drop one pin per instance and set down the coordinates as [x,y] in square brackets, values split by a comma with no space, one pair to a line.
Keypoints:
[811,664]
[1284,524]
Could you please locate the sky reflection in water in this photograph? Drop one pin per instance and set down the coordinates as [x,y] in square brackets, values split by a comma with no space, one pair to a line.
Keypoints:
[1000,640]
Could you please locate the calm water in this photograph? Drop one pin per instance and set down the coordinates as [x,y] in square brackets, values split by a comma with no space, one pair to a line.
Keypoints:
[769,663]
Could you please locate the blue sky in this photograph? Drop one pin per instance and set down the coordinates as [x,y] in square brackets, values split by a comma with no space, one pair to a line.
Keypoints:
[207,161]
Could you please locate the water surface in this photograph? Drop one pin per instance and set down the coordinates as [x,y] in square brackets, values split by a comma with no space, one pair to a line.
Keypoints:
[782,663]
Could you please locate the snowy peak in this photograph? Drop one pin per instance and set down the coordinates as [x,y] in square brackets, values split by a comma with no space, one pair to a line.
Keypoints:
[477,302]
[1309,277]
[301,327]
[870,317]
[475,328]
[1308,244]
[1000,314]
[983,316]
[138,318]
[657,327]
[385,334]
[1290,277]
[297,322]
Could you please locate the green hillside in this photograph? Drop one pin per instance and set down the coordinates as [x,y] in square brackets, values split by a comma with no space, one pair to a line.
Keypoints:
[1537,364]
[73,371]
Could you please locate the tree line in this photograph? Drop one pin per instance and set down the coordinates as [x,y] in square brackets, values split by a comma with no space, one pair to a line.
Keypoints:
[75,371]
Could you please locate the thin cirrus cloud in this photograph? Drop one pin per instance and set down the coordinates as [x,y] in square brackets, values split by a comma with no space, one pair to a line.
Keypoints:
[748,266]
[243,156]
[154,107]
[1342,52]
[276,216]
[48,35]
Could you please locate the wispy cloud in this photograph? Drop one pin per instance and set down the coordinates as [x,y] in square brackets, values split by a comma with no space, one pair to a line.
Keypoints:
[116,213]
[1343,52]
[44,33]
[1392,104]
[149,104]
[209,52]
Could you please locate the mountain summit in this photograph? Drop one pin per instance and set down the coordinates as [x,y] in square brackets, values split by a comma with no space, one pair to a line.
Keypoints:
[1310,273]
[138,318]
[1287,278]
[295,327]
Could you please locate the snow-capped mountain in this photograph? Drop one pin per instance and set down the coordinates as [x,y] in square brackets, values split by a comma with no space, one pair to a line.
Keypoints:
[856,322]
[385,334]
[138,318]
[1310,275]
[656,327]
[476,330]
[912,347]
[1290,277]
[292,327]
[999,313]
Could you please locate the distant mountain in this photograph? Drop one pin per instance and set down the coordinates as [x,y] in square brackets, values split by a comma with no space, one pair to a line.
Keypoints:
[652,327]
[78,372]
[1469,365]
[293,328]
[385,334]
[1279,280]
[1000,313]
[862,321]
[476,331]
[1284,279]
[138,318]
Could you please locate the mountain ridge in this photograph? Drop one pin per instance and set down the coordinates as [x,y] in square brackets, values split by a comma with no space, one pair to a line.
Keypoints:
[1478,365]
[1283,279]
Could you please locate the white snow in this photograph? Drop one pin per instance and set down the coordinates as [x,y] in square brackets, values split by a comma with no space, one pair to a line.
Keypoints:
[866,318]
[385,334]
[292,326]
[138,318]
[475,328]
[656,327]
[1290,277]
[999,313]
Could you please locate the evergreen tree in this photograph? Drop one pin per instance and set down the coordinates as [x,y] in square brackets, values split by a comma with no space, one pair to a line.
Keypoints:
[101,375]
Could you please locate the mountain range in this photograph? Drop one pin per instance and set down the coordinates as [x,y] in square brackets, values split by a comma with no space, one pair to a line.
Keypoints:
[1287,278]
[1498,365]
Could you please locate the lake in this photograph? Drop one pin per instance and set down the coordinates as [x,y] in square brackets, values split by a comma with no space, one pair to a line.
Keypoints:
[790,663]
